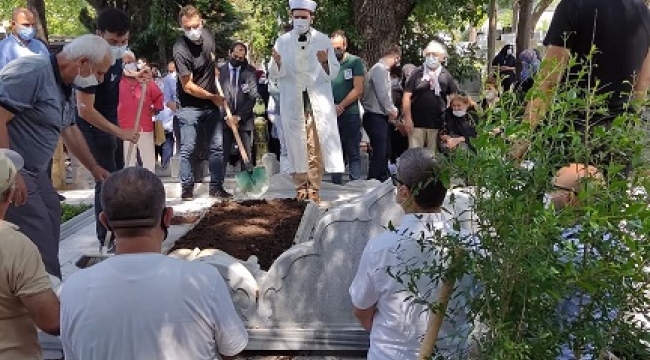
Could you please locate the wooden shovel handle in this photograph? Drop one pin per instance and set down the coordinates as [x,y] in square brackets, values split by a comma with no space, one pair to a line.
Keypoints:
[435,321]
[240,145]
[136,126]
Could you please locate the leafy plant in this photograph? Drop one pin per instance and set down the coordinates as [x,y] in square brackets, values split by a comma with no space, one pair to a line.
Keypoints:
[527,267]
[68,211]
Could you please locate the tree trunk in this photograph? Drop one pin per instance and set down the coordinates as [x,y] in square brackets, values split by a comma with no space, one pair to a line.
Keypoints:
[492,34]
[524,27]
[379,23]
[539,11]
[516,8]
[38,8]
[162,52]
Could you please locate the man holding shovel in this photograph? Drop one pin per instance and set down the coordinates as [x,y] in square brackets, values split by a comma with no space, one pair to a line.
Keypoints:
[199,116]
[381,303]
[304,65]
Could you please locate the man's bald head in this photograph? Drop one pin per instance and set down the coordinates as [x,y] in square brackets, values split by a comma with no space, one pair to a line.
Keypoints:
[570,176]
[22,12]
[568,180]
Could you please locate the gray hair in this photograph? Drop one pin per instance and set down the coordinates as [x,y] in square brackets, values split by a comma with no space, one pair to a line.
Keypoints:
[436,47]
[91,46]
[129,53]
[133,197]
[420,171]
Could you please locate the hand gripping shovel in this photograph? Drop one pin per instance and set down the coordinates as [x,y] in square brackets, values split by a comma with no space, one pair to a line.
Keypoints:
[89,260]
[254,181]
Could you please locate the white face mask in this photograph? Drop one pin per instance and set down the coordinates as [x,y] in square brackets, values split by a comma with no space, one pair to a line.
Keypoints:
[118,51]
[509,51]
[194,34]
[87,81]
[491,95]
[301,26]
[140,65]
[432,62]
[131,67]
[459,113]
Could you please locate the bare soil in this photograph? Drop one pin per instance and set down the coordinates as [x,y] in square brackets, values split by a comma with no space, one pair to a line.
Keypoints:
[264,228]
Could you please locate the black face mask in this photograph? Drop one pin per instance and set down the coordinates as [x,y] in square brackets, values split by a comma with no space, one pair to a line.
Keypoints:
[340,54]
[236,63]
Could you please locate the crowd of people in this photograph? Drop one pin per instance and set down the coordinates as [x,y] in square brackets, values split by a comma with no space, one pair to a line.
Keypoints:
[94,92]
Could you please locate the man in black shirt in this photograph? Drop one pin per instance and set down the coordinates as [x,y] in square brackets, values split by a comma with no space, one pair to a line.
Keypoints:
[199,116]
[425,98]
[620,32]
[97,105]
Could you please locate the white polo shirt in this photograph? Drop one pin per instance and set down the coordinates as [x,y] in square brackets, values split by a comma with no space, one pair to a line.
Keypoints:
[149,306]
[399,324]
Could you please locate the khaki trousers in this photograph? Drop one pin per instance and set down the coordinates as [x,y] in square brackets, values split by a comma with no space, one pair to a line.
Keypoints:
[314,176]
[426,138]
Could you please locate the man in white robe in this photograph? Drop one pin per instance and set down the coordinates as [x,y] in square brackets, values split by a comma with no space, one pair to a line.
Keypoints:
[304,64]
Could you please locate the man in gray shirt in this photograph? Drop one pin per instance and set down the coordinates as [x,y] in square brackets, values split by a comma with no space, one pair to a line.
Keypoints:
[379,111]
[35,110]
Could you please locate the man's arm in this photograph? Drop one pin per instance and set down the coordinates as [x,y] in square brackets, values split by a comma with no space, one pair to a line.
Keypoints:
[86,110]
[552,69]
[355,93]
[184,67]
[381,81]
[44,308]
[5,117]
[365,316]
[643,82]
[76,144]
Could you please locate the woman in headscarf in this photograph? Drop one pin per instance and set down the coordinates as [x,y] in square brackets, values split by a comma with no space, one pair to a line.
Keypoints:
[530,64]
[505,63]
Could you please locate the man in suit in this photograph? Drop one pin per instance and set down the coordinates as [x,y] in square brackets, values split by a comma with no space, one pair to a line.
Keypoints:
[239,85]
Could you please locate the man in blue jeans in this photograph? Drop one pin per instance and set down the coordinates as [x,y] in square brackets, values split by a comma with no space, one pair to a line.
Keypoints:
[97,105]
[199,116]
[380,111]
[347,88]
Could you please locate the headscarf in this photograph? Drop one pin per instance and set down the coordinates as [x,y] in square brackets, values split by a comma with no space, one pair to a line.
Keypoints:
[530,64]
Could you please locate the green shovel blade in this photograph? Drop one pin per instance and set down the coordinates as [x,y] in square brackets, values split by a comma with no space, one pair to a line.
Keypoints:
[253,183]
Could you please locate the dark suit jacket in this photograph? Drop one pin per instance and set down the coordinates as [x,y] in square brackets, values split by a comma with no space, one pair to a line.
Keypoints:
[246,95]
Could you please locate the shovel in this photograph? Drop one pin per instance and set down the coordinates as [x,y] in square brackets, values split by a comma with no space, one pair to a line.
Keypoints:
[88,260]
[253,181]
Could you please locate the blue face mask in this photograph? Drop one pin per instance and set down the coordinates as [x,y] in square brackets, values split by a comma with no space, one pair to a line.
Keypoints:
[432,62]
[26,33]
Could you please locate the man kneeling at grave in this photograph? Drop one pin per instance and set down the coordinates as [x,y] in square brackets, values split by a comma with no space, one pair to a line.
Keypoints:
[384,305]
[141,304]
[580,249]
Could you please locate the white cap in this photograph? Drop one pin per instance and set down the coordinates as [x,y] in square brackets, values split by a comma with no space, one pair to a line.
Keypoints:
[302,5]
[10,163]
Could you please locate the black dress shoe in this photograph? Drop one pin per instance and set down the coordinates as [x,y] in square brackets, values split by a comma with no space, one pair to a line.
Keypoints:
[220,193]
[61,197]
[187,194]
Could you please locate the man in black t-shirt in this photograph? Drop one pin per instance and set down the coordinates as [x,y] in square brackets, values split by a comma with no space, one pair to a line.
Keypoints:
[425,97]
[199,116]
[97,105]
[620,32]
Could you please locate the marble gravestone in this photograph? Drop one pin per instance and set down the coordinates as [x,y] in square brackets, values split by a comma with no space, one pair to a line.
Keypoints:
[302,302]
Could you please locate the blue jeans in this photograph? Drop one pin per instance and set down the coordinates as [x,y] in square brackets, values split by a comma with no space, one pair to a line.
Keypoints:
[167,149]
[350,133]
[377,128]
[103,146]
[206,126]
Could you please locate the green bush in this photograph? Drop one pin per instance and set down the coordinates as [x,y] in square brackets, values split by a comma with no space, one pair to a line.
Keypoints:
[521,265]
[69,211]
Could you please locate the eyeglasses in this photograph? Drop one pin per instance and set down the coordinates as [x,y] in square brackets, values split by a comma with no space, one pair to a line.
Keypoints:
[558,187]
[396,181]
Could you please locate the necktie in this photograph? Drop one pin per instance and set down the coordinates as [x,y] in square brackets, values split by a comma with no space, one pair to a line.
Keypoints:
[233,86]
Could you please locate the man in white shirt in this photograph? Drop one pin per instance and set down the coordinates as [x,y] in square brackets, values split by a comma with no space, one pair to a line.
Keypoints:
[304,64]
[140,304]
[381,303]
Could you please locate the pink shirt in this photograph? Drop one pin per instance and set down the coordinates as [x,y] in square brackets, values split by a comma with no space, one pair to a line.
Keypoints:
[130,93]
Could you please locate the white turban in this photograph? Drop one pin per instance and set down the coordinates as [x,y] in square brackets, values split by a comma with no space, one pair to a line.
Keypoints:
[302,5]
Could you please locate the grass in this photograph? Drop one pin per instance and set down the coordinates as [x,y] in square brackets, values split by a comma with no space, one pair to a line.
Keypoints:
[69,211]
